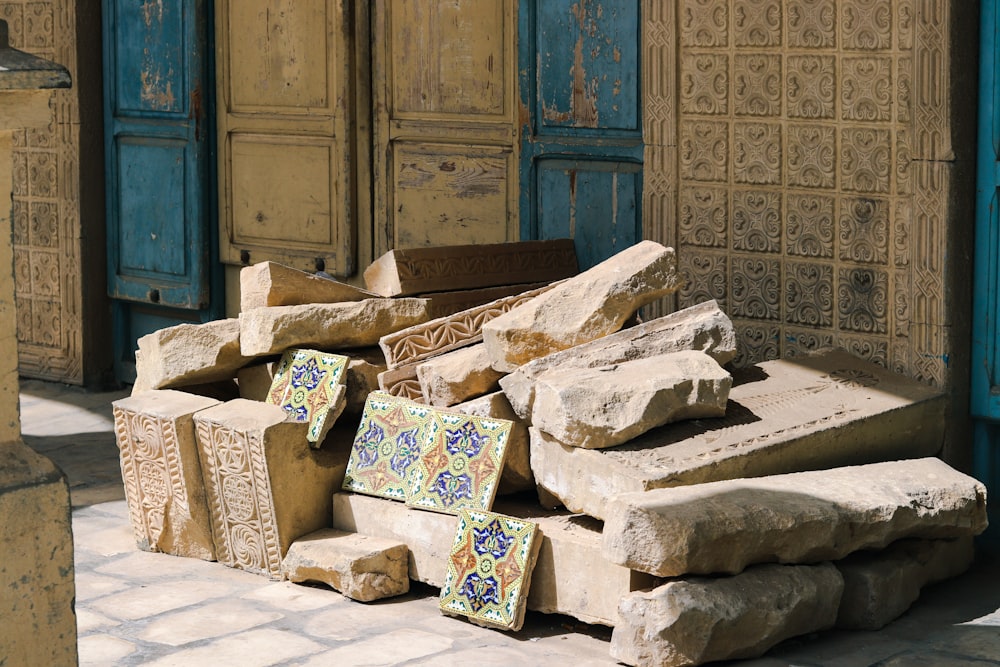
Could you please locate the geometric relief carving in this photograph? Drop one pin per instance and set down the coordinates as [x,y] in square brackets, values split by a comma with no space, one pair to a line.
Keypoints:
[867,88]
[757,342]
[811,86]
[812,153]
[802,341]
[862,300]
[757,23]
[873,350]
[809,294]
[704,23]
[864,230]
[45,273]
[44,224]
[757,221]
[809,225]
[756,288]
[42,180]
[812,23]
[704,150]
[757,88]
[704,216]
[704,83]
[757,153]
[865,159]
[705,276]
[866,25]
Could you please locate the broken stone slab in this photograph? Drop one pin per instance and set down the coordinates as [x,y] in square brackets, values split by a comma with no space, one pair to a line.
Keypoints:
[158,452]
[569,554]
[701,327]
[188,354]
[402,382]
[601,407]
[265,486]
[696,620]
[590,305]
[361,567]
[443,334]
[445,304]
[804,413]
[879,586]
[329,326]
[516,475]
[272,284]
[805,517]
[457,376]
[362,377]
[255,380]
[410,271]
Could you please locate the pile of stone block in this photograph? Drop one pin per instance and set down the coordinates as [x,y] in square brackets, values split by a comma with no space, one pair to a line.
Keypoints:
[703,512]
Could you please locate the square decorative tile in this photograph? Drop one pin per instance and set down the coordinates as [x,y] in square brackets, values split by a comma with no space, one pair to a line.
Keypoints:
[489,569]
[460,464]
[390,439]
[306,386]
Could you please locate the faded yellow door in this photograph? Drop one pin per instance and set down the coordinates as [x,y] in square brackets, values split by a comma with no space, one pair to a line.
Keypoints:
[445,164]
[288,132]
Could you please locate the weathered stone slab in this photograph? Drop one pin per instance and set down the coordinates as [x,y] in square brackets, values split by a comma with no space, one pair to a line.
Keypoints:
[879,586]
[516,475]
[188,354]
[362,377]
[457,376]
[605,406]
[361,567]
[590,305]
[402,382]
[445,268]
[326,326]
[827,410]
[569,554]
[429,339]
[255,380]
[701,327]
[273,284]
[697,620]
[162,474]
[265,486]
[444,304]
[801,517]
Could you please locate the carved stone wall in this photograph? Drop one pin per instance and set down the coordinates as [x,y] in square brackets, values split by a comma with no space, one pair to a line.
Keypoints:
[799,158]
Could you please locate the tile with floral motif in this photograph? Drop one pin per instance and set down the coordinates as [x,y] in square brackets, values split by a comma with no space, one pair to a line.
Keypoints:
[489,569]
[389,441]
[306,385]
[461,463]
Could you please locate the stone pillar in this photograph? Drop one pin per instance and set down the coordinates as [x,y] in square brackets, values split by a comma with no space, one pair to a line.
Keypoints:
[36,542]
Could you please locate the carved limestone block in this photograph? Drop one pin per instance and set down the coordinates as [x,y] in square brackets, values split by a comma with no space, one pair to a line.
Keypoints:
[161,472]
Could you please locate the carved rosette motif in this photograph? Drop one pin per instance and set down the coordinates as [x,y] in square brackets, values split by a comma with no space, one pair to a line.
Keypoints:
[810,130]
[239,499]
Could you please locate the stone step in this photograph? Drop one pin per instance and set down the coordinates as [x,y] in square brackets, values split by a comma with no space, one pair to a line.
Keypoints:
[806,517]
[570,576]
[820,411]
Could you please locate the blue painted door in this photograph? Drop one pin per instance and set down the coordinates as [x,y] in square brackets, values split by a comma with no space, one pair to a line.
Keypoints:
[158,166]
[581,138]
[986,305]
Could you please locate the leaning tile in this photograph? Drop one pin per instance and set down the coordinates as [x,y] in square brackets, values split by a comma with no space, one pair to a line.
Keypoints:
[460,464]
[489,569]
[309,386]
[388,443]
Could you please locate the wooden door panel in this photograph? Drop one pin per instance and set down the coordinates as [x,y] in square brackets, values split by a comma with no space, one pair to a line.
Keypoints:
[445,160]
[287,133]
[151,58]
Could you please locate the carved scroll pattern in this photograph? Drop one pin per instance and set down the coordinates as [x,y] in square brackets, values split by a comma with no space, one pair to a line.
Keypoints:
[239,499]
[821,111]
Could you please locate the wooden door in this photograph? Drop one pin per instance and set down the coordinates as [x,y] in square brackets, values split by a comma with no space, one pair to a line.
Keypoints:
[581,130]
[287,127]
[445,166]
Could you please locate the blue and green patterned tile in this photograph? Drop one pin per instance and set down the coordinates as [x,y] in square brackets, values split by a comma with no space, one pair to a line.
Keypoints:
[307,385]
[390,438]
[461,463]
[489,569]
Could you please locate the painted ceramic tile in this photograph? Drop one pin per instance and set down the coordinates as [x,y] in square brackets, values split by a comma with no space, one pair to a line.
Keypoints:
[489,569]
[390,438]
[305,385]
[461,463]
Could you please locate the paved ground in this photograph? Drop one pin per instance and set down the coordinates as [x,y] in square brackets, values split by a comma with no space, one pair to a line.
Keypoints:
[137,608]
